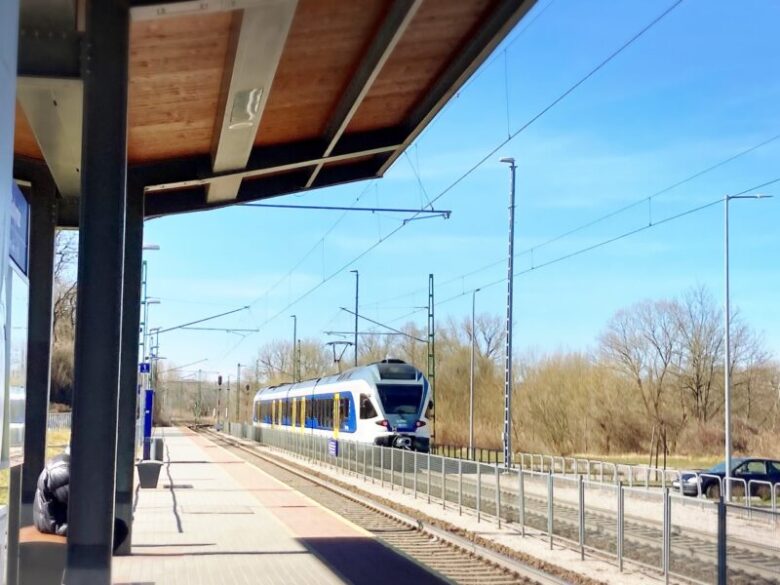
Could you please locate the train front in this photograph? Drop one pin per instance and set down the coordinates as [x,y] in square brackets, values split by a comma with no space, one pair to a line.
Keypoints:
[405,402]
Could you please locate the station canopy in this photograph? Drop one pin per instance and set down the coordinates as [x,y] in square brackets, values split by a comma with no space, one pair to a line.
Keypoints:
[238,100]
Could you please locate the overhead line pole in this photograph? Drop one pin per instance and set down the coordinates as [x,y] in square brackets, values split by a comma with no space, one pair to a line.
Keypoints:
[294,348]
[471,377]
[507,432]
[238,393]
[431,353]
[357,296]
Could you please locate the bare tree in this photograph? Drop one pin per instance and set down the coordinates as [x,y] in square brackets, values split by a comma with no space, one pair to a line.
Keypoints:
[642,342]
[64,306]
[700,371]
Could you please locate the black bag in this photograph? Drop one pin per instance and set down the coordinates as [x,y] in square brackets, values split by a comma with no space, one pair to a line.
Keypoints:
[50,509]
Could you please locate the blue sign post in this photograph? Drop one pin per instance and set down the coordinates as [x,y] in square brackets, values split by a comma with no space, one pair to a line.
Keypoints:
[333,447]
[148,410]
[144,368]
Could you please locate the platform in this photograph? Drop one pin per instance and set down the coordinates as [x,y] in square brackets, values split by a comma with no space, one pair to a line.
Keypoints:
[215,518]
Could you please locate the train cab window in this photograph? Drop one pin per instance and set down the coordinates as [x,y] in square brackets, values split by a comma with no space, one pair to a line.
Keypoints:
[343,411]
[367,409]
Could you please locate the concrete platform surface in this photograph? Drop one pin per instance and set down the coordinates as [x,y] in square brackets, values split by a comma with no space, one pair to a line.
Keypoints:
[215,518]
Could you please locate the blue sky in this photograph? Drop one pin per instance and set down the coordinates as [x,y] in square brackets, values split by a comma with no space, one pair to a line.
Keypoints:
[701,86]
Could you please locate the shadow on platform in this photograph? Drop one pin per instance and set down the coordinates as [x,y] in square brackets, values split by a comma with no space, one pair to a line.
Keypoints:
[364,560]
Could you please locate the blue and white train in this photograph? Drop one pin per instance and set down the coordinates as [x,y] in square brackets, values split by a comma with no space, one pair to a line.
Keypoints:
[387,403]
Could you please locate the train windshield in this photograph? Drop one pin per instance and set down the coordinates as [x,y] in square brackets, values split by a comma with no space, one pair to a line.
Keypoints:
[400,400]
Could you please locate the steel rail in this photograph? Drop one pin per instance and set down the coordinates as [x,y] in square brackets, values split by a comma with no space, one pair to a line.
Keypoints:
[490,556]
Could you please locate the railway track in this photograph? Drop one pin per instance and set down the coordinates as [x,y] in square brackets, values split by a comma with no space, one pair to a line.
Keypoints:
[693,554]
[458,560]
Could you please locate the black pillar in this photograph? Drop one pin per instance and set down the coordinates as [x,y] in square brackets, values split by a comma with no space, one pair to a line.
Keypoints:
[99,315]
[128,373]
[14,505]
[43,223]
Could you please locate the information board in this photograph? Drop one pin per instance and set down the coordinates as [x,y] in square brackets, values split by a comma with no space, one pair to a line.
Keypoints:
[19,229]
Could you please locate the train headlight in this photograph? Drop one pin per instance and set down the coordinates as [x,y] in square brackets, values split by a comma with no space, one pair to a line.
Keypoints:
[419,423]
[383,423]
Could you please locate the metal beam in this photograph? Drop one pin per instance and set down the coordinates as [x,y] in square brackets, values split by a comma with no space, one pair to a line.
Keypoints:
[194,199]
[49,53]
[128,373]
[43,219]
[264,160]
[257,42]
[475,50]
[48,15]
[99,318]
[54,110]
[156,10]
[49,44]
[393,27]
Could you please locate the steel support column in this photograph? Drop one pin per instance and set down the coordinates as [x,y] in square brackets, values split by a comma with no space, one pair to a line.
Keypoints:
[98,323]
[43,222]
[128,373]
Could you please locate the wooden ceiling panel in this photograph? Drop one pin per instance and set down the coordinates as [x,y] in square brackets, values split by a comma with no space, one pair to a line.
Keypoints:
[25,143]
[433,38]
[176,69]
[324,47]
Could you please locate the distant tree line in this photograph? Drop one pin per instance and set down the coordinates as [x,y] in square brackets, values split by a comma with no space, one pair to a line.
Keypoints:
[653,382]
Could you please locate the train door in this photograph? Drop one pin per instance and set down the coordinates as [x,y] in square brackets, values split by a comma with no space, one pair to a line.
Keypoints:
[336,421]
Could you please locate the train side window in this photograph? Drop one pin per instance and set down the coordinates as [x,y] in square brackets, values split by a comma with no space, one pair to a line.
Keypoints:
[367,409]
[429,410]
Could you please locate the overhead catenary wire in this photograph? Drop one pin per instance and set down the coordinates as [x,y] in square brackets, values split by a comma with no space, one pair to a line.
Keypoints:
[590,223]
[393,329]
[592,247]
[556,101]
[462,176]
[316,245]
[503,143]
[203,320]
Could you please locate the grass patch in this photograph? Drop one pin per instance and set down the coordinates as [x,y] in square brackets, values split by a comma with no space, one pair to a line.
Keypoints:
[56,441]
[672,462]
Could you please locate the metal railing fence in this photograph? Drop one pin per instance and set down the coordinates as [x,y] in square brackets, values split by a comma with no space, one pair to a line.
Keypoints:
[569,502]
[58,421]
[632,475]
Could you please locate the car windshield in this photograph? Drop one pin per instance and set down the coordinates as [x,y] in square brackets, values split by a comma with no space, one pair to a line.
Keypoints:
[398,399]
[721,467]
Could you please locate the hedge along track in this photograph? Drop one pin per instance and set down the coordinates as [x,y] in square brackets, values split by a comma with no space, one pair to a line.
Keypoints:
[457,559]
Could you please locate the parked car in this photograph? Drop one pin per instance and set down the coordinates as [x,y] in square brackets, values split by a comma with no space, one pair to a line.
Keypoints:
[747,469]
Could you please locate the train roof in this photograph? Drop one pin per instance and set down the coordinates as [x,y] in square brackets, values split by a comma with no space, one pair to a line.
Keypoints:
[388,369]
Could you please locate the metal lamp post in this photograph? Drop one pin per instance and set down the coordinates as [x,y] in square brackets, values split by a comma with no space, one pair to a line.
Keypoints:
[726,335]
[146,331]
[471,379]
[507,433]
[294,348]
